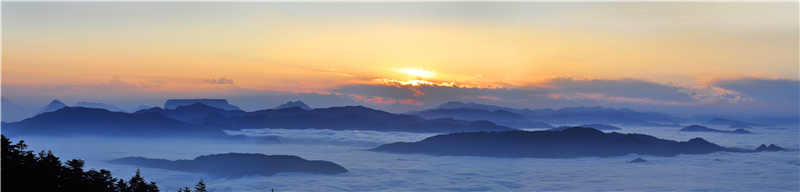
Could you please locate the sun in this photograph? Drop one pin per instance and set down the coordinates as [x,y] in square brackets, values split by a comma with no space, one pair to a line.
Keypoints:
[417,72]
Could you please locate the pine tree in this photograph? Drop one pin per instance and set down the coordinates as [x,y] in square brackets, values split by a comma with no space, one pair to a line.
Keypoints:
[185,189]
[138,184]
[200,187]
[121,186]
[22,170]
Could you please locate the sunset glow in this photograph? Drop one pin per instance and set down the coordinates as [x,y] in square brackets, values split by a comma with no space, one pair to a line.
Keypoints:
[417,72]
[687,57]
[409,95]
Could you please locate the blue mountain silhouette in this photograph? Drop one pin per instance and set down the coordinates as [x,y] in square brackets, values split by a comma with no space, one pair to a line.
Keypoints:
[569,143]
[237,165]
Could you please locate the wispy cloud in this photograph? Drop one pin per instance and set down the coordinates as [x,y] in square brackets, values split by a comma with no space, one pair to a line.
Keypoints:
[771,90]
[221,80]
[776,95]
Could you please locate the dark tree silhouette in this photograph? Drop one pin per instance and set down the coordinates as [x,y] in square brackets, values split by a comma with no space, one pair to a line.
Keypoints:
[138,184]
[23,171]
[200,187]
[185,189]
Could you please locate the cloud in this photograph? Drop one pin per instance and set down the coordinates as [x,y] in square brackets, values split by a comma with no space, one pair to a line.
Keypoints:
[616,87]
[774,171]
[775,90]
[559,92]
[426,94]
[551,91]
[221,80]
[743,96]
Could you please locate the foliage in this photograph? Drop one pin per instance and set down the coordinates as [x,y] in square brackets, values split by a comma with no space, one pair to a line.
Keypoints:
[22,170]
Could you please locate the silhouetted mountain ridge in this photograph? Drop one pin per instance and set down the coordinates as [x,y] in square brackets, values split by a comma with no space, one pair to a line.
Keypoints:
[594,126]
[237,165]
[578,115]
[218,103]
[698,128]
[294,104]
[92,121]
[53,106]
[569,143]
[188,113]
[12,112]
[728,122]
[98,106]
[346,118]
[500,117]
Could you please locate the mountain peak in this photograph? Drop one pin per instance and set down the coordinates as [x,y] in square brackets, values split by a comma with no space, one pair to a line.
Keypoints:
[218,103]
[98,105]
[297,103]
[53,106]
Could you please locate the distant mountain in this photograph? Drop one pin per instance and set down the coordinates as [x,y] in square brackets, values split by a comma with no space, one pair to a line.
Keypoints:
[399,107]
[794,120]
[458,105]
[237,165]
[141,107]
[728,122]
[702,118]
[569,143]
[601,127]
[595,126]
[771,147]
[638,160]
[7,105]
[53,106]
[698,128]
[735,126]
[524,112]
[12,112]
[579,115]
[500,117]
[291,104]
[344,118]
[98,106]
[189,113]
[90,121]
[218,103]
[600,115]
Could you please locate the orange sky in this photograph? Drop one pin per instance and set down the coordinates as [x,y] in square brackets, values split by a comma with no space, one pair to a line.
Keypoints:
[321,47]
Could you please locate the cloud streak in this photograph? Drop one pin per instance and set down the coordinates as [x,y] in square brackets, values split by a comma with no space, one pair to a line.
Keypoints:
[221,80]
[774,90]
[756,96]
[596,90]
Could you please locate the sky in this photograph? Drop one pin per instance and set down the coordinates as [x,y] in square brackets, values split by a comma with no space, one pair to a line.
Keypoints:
[682,58]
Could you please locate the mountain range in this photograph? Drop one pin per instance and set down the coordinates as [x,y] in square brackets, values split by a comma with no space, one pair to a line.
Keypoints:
[450,117]
[90,121]
[568,143]
[218,103]
[575,115]
[728,122]
[201,119]
[237,165]
[698,128]
[501,117]
[291,104]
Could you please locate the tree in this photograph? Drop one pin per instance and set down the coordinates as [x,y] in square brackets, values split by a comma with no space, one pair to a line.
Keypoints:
[23,171]
[121,186]
[138,184]
[200,187]
[99,180]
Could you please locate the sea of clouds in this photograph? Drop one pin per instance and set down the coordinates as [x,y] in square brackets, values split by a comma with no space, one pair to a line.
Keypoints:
[727,171]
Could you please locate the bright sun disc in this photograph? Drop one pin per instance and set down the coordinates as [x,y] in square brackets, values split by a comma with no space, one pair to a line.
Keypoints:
[417,72]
